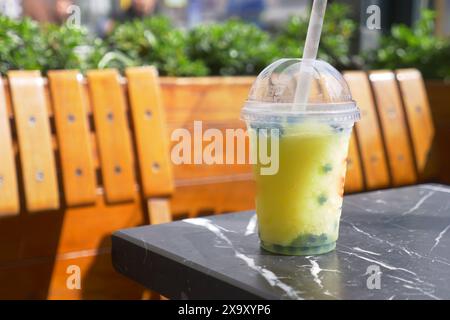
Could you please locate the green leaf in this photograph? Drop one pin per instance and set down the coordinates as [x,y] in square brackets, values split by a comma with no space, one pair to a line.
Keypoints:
[337,34]
[416,47]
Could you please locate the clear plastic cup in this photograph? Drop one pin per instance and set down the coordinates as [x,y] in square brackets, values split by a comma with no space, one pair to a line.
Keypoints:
[299,206]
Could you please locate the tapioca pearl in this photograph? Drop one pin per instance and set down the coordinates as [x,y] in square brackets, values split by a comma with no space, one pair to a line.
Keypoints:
[312,239]
[327,168]
[337,128]
[322,199]
[300,241]
[323,238]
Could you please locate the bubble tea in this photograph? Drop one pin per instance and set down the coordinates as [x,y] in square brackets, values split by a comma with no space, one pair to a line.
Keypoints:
[299,206]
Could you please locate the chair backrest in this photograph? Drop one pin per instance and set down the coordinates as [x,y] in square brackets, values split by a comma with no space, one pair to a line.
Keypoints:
[75,143]
[390,146]
[419,119]
[35,142]
[9,197]
[96,133]
[394,137]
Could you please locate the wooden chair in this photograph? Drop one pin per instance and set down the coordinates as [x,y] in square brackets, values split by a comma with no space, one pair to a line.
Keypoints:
[80,159]
[77,185]
[374,162]
[396,133]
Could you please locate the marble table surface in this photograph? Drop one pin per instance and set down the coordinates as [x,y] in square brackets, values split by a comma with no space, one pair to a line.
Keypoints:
[394,244]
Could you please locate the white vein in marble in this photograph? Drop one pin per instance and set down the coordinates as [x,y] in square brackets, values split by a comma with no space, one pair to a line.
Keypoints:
[251,227]
[429,294]
[315,270]
[366,251]
[419,203]
[400,279]
[146,251]
[404,249]
[437,240]
[268,275]
[380,263]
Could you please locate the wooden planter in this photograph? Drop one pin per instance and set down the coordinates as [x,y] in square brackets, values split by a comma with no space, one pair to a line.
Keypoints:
[439,96]
[217,102]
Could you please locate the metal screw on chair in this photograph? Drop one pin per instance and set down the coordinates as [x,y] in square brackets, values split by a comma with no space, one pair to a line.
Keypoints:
[156,167]
[39,176]
[78,172]
[32,121]
[400,157]
[373,159]
[418,109]
[71,118]
[148,114]
[110,116]
[117,169]
[392,113]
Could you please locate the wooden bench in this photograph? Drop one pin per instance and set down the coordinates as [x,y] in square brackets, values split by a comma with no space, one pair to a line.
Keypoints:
[88,160]
[83,157]
[393,142]
[391,146]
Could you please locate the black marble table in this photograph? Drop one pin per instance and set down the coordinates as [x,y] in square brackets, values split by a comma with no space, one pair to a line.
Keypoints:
[393,244]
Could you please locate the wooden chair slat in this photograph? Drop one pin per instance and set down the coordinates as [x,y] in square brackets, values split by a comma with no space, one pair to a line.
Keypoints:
[73,138]
[376,174]
[113,135]
[7,93]
[34,139]
[9,197]
[159,210]
[393,124]
[150,132]
[419,117]
[354,180]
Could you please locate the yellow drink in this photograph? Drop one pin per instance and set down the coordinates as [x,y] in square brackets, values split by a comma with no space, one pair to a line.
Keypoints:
[299,208]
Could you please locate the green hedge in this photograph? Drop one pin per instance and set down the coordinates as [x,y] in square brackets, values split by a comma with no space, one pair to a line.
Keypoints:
[338,31]
[229,48]
[416,47]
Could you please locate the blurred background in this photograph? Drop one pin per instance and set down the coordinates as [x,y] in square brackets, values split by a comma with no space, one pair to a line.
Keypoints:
[187,38]
[188,13]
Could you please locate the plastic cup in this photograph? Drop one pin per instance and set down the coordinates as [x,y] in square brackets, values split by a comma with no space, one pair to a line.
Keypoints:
[300,205]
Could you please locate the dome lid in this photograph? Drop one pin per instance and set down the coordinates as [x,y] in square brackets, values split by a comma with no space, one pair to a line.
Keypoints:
[273,93]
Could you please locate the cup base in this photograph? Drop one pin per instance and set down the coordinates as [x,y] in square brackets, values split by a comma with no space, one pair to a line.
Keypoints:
[298,251]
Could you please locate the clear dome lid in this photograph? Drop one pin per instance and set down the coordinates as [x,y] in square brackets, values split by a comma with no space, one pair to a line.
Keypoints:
[273,94]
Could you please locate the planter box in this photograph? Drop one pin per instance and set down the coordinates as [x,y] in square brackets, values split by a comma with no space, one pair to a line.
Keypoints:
[439,96]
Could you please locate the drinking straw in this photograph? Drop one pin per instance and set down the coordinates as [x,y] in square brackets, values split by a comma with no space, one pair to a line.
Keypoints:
[309,54]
